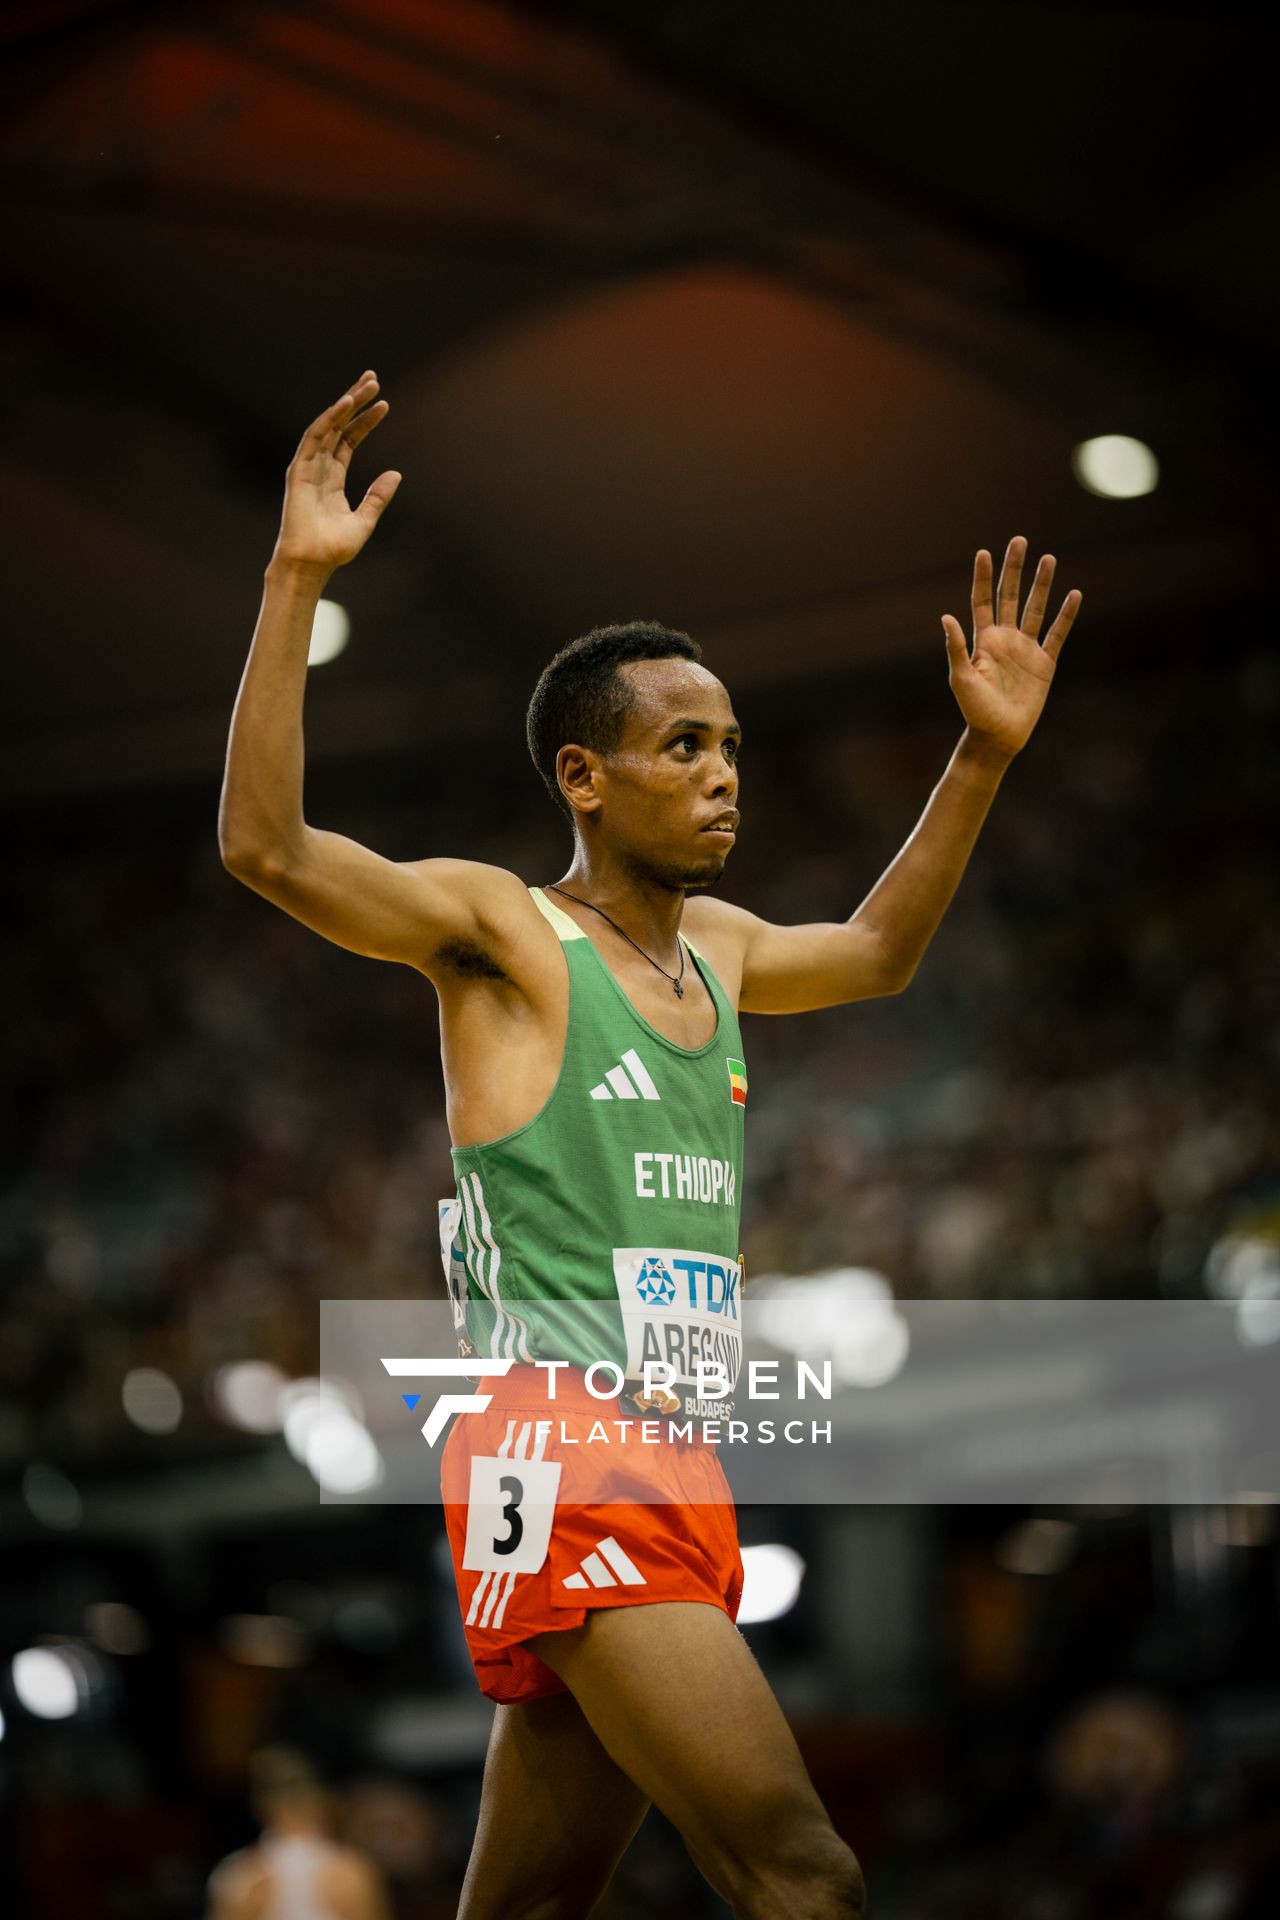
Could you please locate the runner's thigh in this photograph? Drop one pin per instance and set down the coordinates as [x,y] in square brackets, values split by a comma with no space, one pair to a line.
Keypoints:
[676,1697]
[556,1814]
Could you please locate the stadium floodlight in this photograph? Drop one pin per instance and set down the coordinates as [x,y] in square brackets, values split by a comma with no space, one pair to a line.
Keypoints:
[151,1400]
[116,1627]
[341,1455]
[51,1497]
[247,1394]
[308,1401]
[1115,466]
[771,1585]
[329,631]
[46,1682]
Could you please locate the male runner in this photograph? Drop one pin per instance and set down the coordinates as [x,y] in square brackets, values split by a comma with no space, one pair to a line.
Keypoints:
[295,1870]
[621,1677]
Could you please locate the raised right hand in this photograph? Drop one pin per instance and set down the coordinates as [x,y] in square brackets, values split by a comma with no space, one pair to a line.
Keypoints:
[318,530]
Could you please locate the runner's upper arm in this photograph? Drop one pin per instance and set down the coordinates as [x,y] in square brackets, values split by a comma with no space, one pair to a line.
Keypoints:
[800,969]
[406,910]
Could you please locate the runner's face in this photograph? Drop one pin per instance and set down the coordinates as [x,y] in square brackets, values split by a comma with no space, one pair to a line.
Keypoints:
[674,773]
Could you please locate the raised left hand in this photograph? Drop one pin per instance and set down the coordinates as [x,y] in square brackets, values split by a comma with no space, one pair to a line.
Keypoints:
[1003,684]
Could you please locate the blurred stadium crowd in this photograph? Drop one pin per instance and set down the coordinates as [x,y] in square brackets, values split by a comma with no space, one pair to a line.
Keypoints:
[214,1119]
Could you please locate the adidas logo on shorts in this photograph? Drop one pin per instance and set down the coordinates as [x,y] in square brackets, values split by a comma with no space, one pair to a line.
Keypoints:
[596,1574]
[636,1084]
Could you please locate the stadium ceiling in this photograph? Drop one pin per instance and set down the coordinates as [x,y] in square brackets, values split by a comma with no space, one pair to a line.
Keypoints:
[754,321]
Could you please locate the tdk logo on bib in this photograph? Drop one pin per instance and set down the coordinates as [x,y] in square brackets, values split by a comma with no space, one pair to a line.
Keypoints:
[680,1307]
[708,1284]
[678,1279]
[654,1282]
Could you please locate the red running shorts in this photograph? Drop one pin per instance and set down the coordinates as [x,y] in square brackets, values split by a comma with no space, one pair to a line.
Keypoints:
[545,1524]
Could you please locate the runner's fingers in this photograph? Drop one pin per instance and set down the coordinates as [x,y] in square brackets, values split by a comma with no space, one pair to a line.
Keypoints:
[980,600]
[322,434]
[1038,598]
[1062,625]
[355,430]
[1010,582]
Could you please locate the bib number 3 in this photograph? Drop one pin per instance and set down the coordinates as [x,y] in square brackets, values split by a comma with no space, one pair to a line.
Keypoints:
[510,1509]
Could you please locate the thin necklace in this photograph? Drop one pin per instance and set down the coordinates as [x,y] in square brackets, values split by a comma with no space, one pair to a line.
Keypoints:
[674,978]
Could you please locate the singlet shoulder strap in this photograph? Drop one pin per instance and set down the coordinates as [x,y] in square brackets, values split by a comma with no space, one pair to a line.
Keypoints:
[566,928]
[570,930]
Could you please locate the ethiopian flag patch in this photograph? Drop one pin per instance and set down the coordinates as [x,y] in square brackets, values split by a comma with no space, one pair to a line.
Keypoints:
[737,1081]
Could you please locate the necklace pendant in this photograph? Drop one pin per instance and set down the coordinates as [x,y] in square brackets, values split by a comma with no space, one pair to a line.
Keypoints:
[679,989]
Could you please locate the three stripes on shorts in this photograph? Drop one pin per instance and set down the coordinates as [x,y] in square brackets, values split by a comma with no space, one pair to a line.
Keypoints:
[595,1573]
[493,1590]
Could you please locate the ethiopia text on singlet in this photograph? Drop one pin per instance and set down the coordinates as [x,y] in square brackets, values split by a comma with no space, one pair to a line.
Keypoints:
[606,1228]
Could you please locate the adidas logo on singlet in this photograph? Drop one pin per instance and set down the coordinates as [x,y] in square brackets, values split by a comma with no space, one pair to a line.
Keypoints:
[596,1574]
[623,1085]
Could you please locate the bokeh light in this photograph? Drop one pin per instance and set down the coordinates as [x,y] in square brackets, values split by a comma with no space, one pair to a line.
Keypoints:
[1115,466]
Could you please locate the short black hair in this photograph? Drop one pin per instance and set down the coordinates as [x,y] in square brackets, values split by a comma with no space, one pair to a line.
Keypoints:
[582,698]
[283,1772]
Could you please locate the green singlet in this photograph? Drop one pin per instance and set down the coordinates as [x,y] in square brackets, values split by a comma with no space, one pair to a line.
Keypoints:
[606,1228]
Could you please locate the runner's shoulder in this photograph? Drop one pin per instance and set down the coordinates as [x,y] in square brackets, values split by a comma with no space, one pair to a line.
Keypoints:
[240,1875]
[707,918]
[720,931]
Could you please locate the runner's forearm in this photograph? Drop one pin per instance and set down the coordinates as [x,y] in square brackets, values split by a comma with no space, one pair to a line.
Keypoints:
[261,807]
[906,905]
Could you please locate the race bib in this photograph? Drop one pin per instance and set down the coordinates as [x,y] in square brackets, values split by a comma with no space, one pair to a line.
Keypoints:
[680,1307]
[455,1271]
[510,1508]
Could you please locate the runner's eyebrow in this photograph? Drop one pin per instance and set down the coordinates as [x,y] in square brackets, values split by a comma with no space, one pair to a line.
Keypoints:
[700,726]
